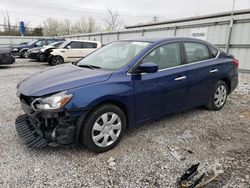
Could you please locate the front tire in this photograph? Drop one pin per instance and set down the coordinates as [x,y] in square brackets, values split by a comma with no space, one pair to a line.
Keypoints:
[219,96]
[103,128]
[56,60]
[41,57]
[24,54]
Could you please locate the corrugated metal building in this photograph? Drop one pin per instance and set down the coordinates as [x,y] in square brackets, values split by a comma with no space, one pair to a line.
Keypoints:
[232,34]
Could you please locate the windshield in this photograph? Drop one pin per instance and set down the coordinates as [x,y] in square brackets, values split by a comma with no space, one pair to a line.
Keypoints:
[55,44]
[32,42]
[114,55]
[63,44]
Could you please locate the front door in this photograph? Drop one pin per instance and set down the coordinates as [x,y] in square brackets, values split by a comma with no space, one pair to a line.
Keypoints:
[164,91]
[74,51]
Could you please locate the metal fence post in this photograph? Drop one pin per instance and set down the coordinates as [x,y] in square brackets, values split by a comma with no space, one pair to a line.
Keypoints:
[175,30]
[142,32]
[230,29]
[101,37]
[118,33]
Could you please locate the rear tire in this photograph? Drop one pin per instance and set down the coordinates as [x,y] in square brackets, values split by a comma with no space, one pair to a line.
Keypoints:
[56,60]
[23,54]
[219,96]
[103,128]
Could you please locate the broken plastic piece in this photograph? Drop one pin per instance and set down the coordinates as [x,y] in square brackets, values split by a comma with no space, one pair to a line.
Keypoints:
[190,173]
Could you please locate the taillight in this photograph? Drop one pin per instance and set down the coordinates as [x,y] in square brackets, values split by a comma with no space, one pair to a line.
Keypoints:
[236,63]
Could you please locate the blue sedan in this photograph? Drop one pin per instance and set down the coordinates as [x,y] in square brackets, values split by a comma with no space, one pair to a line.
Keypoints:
[120,86]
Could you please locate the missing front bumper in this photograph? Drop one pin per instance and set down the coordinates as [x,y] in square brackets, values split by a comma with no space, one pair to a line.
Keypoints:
[30,136]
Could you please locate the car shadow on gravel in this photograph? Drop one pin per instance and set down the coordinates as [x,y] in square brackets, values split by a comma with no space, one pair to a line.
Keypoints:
[169,117]
[130,133]
[5,66]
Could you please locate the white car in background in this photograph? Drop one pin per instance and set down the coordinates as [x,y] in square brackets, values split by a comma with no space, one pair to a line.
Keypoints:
[72,51]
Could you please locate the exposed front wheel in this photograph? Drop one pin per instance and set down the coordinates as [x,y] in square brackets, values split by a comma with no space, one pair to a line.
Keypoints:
[219,96]
[103,129]
[56,60]
[24,54]
[41,57]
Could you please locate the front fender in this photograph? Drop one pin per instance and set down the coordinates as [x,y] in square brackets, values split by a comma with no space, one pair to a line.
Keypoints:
[88,97]
[23,49]
[58,53]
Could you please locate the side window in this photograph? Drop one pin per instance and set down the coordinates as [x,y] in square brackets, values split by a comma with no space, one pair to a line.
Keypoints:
[213,51]
[49,41]
[196,52]
[166,56]
[89,45]
[40,43]
[75,44]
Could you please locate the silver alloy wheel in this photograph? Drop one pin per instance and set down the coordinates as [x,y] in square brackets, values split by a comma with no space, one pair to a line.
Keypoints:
[107,129]
[42,57]
[57,60]
[220,96]
[25,54]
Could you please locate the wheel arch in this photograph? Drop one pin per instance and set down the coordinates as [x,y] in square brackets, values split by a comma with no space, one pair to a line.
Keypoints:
[114,102]
[228,82]
[23,49]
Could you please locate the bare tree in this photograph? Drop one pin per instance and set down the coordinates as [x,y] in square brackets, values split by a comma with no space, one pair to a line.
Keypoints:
[65,27]
[54,27]
[112,22]
[51,27]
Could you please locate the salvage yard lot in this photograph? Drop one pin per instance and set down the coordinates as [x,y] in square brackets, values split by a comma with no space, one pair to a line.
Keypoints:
[153,155]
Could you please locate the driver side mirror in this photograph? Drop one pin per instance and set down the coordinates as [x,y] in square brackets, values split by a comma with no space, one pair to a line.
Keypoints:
[68,47]
[35,45]
[148,67]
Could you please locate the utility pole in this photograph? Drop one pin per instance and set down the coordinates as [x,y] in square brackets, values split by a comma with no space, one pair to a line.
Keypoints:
[155,19]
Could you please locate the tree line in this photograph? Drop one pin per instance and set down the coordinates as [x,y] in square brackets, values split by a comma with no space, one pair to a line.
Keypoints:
[55,27]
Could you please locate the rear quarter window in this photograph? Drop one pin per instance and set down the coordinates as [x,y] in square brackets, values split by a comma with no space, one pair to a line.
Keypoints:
[196,52]
[213,51]
[89,45]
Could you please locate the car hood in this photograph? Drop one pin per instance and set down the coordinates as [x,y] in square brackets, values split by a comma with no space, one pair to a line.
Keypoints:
[35,49]
[4,50]
[60,78]
[20,46]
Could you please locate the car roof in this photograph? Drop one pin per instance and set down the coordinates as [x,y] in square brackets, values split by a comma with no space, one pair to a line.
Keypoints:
[167,39]
[83,41]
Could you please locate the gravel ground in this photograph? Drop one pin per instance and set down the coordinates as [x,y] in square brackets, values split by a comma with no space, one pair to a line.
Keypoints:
[142,158]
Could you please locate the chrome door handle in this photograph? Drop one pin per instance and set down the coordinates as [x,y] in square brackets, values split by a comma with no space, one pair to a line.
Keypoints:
[213,70]
[180,78]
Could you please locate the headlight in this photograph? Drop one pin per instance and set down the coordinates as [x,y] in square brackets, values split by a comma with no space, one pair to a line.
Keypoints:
[53,102]
[35,51]
[15,49]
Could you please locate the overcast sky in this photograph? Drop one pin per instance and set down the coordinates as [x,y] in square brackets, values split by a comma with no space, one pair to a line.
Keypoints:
[131,11]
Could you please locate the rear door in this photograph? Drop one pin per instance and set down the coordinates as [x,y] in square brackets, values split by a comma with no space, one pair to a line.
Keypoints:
[164,91]
[202,72]
[88,47]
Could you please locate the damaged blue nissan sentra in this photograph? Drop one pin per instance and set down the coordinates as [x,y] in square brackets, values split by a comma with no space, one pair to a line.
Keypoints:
[119,86]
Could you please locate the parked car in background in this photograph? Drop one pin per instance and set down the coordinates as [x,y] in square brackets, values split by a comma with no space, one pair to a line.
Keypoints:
[5,56]
[44,53]
[23,43]
[120,86]
[35,53]
[21,50]
[72,51]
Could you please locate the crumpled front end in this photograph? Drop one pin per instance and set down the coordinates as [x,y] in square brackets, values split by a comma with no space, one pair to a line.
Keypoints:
[41,128]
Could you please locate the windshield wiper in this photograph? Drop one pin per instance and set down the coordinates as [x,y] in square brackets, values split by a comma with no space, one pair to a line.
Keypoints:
[89,66]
